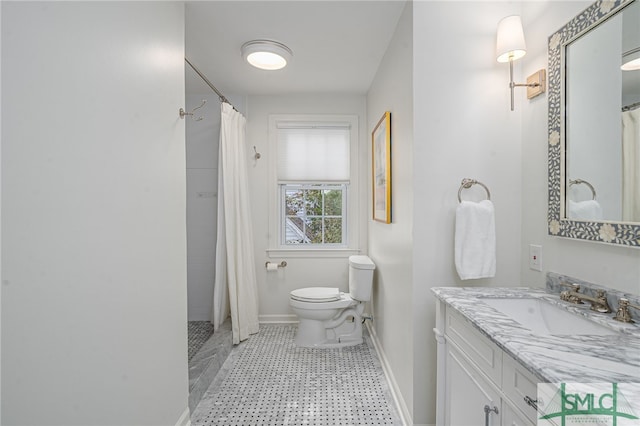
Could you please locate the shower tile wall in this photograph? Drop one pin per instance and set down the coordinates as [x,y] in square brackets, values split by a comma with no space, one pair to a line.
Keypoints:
[202,188]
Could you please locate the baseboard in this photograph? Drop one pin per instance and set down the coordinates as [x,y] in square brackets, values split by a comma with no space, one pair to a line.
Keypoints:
[278,319]
[185,418]
[405,415]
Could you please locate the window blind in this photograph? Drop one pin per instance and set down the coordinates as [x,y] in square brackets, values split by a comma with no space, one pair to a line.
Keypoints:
[319,154]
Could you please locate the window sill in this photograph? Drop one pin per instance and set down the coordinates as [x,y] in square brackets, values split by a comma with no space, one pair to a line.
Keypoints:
[312,253]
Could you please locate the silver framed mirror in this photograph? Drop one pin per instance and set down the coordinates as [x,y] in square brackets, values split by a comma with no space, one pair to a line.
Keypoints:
[566,134]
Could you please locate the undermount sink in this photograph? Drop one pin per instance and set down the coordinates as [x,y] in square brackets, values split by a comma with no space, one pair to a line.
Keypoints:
[544,318]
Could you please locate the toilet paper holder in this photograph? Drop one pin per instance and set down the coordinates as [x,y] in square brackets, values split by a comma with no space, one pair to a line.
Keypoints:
[282,264]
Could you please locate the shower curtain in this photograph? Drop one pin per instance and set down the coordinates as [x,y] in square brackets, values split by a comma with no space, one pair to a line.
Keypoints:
[631,166]
[235,287]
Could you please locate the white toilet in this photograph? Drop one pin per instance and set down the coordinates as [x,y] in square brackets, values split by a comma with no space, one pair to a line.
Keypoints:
[330,318]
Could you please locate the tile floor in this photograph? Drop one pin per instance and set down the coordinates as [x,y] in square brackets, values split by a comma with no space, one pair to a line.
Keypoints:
[209,358]
[267,380]
[198,332]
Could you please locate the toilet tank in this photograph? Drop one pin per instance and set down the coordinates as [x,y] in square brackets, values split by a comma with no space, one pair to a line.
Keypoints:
[360,277]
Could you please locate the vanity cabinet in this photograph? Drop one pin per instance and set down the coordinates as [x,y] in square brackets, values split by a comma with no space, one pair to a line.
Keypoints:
[512,418]
[467,393]
[473,372]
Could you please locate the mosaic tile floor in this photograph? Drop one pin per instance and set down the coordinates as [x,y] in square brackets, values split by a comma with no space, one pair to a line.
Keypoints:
[198,332]
[267,380]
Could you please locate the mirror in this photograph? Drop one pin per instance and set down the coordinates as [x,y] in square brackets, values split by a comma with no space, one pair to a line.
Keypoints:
[594,143]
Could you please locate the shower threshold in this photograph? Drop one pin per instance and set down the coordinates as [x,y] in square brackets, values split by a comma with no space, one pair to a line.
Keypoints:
[205,363]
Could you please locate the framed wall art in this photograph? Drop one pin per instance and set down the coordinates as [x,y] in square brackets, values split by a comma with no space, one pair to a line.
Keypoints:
[381,167]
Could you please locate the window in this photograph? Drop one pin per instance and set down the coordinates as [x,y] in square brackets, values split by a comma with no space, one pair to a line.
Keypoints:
[314,159]
[313,214]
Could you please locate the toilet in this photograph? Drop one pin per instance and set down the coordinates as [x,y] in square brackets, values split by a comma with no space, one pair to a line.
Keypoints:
[329,318]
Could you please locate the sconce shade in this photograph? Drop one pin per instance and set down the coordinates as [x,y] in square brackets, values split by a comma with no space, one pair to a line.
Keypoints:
[266,54]
[631,60]
[510,41]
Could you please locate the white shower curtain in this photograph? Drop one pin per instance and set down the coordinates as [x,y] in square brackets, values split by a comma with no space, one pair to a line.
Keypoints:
[235,287]
[631,166]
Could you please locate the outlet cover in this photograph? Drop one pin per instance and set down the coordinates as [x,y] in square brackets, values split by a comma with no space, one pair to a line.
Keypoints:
[535,257]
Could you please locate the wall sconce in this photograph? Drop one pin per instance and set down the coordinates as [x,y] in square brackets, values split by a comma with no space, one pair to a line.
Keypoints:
[510,46]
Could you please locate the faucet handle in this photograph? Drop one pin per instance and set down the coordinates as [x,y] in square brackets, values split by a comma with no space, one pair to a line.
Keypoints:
[623,314]
[601,305]
[567,295]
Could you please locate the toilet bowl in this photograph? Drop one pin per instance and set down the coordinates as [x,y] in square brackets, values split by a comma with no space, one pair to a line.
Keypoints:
[330,318]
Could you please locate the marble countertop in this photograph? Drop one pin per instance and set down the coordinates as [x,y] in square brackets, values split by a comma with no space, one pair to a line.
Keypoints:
[552,358]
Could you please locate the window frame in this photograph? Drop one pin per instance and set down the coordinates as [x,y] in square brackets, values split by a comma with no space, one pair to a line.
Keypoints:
[276,241]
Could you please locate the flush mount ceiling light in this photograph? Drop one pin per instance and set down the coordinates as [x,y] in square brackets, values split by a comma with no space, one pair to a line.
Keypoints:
[266,54]
[631,60]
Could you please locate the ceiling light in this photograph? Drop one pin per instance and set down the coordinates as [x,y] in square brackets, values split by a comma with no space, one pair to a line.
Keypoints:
[631,60]
[266,54]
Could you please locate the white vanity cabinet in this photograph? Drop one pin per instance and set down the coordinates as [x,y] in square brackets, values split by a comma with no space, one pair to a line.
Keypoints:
[474,373]
[467,393]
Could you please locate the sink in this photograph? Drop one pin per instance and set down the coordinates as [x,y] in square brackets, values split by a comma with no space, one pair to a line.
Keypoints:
[544,318]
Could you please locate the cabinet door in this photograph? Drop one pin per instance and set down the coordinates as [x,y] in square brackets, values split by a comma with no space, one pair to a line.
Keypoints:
[467,393]
[511,417]
[518,385]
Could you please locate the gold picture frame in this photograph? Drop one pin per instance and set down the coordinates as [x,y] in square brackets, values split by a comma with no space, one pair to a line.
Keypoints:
[381,169]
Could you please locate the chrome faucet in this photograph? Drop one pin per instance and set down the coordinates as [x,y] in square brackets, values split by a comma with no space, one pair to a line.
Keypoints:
[598,303]
[623,314]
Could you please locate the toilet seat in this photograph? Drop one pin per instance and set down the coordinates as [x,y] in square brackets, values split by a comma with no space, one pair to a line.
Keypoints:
[316,294]
[344,301]
[315,298]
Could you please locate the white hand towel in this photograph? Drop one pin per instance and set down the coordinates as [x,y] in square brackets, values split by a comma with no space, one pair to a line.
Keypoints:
[585,210]
[475,240]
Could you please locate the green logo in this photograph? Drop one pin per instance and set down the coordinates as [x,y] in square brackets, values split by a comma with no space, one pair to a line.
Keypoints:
[588,404]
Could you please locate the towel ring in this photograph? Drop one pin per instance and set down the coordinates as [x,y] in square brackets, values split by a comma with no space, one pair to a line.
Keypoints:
[579,181]
[468,183]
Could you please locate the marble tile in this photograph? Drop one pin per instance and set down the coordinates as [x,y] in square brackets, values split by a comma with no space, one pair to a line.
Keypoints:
[552,358]
[207,362]
[267,380]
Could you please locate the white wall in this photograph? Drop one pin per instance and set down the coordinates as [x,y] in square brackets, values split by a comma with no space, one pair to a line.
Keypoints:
[608,265]
[274,287]
[93,214]
[391,245]
[463,128]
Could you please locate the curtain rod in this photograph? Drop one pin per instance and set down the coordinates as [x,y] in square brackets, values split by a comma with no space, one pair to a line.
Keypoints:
[206,80]
[631,106]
